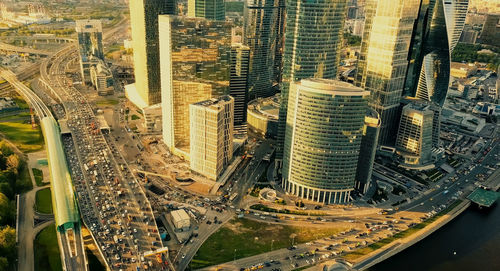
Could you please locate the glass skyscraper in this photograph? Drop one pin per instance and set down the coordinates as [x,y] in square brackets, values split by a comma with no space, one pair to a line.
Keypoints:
[313,36]
[89,45]
[383,60]
[414,141]
[260,34]
[238,85]
[195,66]
[367,151]
[437,32]
[208,9]
[144,22]
[324,129]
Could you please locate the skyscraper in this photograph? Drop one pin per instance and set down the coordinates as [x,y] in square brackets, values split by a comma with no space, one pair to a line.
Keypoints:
[89,45]
[211,146]
[383,60]
[195,66]
[490,34]
[323,137]
[313,36]
[238,85]
[280,44]
[367,151]
[414,140]
[144,22]
[260,34]
[208,9]
[437,31]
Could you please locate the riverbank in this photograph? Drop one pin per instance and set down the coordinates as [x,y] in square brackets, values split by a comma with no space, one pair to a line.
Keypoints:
[399,245]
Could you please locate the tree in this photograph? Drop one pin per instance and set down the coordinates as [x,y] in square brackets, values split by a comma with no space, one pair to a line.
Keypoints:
[8,242]
[13,163]
[5,210]
[4,264]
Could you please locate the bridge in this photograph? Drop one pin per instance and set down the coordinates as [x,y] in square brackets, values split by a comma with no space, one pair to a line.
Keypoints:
[17,49]
[65,207]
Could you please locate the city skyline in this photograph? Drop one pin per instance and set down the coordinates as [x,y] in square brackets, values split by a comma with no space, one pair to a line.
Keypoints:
[271,135]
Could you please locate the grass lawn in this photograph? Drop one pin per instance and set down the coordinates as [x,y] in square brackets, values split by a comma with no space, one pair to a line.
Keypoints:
[23,136]
[47,257]
[38,176]
[43,202]
[370,248]
[19,115]
[107,102]
[135,117]
[250,238]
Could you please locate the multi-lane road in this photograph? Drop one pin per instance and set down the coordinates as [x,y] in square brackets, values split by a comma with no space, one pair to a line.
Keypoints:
[112,204]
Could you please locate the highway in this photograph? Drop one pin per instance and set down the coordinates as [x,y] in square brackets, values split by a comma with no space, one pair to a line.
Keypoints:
[72,253]
[113,206]
[17,49]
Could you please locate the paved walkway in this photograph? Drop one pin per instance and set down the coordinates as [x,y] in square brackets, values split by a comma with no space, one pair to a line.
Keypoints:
[26,230]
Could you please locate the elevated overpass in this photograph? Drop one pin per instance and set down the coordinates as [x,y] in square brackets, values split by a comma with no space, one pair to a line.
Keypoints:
[65,207]
[17,49]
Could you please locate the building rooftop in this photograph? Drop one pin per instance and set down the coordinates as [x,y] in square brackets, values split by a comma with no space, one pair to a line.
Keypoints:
[268,107]
[214,102]
[333,87]
[88,26]
[483,197]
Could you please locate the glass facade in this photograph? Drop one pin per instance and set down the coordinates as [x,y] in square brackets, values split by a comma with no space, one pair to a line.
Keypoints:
[89,45]
[260,34]
[414,141]
[368,150]
[323,137]
[429,72]
[208,9]
[383,60]
[238,85]
[313,36]
[195,66]
[144,23]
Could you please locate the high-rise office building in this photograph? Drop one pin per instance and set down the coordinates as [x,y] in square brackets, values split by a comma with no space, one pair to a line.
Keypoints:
[195,66]
[324,131]
[89,45]
[436,33]
[208,9]
[414,140]
[383,60]
[313,36]
[144,22]
[367,151]
[436,118]
[490,34]
[280,44]
[260,34]
[238,85]
[211,146]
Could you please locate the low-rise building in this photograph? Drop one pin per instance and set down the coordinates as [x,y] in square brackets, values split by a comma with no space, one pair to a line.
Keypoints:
[262,115]
[462,70]
[180,219]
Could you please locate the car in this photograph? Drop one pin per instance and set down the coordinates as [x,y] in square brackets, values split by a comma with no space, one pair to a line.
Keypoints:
[183,256]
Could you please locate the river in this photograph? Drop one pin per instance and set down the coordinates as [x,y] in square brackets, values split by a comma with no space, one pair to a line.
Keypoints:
[474,235]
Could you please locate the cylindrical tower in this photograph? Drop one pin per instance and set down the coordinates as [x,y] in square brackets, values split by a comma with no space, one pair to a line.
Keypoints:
[322,140]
